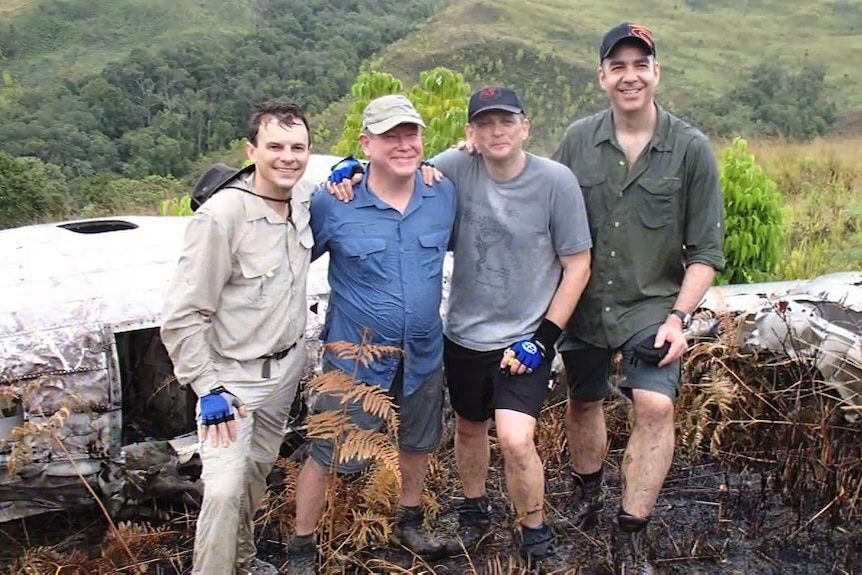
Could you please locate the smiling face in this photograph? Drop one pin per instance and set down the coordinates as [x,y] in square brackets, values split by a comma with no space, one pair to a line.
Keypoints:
[397,152]
[280,154]
[498,135]
[629,76]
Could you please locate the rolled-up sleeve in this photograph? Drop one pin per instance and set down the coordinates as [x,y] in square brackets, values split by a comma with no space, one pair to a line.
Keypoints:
[704,222]
[203,269]
[320,200]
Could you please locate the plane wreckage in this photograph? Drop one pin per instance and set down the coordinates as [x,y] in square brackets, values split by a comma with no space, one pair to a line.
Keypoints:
[87,391]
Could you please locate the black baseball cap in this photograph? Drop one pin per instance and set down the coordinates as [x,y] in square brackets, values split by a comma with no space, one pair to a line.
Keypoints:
[494,98]
[626,31]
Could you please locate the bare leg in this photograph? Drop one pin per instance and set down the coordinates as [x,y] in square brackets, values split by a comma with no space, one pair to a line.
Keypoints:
[310,496]
[473,455]
[649,452]
[525,477]
[587,435]
[414,467]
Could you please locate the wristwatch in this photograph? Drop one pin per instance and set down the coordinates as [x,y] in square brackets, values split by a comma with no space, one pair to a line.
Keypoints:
[684,317]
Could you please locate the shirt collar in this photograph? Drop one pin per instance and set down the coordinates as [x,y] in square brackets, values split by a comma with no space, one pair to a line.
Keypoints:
[365,197]
[256,208]
[661,139]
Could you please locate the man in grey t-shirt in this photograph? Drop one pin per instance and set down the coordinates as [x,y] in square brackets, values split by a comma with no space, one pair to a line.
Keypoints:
[522,258]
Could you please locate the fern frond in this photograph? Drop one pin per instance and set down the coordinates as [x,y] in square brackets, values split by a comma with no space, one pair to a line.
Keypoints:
[369,444]
[334,382]
[329,425]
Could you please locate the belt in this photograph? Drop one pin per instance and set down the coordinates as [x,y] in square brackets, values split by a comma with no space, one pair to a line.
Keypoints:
[265,371]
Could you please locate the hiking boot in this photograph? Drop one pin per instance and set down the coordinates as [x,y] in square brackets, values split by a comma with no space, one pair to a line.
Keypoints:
[255,566]
[410,532]
[630,550]
[534,544]
[588,500]
[474,523]
[302,556]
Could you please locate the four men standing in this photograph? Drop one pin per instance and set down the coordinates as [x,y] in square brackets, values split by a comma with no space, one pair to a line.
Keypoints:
[522,260]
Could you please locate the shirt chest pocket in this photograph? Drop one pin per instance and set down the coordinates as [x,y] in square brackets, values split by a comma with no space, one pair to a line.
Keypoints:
[658,202]
[367,257]
[258,272]
[432,251]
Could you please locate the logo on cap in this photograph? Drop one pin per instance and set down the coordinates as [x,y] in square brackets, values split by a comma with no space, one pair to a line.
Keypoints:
[642,32]
[489,94]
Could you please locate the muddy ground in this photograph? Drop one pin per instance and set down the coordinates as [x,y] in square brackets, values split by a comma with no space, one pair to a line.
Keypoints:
[758,510]
[711,518]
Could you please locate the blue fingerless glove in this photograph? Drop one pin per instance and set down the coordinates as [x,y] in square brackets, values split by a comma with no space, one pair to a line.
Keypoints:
[218,406]
[529,352]
[345,169]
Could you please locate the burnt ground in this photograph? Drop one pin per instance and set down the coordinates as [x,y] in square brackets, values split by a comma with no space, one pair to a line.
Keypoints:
[767,506]
[711,518]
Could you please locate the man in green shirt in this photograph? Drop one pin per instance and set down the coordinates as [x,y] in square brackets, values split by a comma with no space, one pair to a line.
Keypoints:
[651,187]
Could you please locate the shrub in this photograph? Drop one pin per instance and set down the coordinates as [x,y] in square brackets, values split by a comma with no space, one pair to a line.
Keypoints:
[753,218]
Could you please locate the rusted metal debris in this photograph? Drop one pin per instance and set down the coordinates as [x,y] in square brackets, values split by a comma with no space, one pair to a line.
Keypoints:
[79,318]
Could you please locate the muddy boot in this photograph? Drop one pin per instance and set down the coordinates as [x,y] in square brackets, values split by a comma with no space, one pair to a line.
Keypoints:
[302,555]
[588,500]
[534,544]
[474,523]
[255,566]
[409,532]
[630,552]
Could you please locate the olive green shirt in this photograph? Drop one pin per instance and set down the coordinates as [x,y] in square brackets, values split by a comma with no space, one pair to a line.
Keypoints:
[646,223]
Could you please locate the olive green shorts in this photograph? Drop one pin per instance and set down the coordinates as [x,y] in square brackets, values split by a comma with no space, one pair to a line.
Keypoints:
[420,420]
[589,369]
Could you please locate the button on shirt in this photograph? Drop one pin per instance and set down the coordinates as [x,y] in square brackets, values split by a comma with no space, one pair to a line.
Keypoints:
[647,223]
[385,275]
[239,289]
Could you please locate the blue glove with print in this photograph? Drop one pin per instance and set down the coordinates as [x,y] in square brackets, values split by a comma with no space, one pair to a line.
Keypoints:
[345,170]
[531,352]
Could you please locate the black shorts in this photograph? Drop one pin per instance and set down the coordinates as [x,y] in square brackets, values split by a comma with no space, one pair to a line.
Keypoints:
[477,387]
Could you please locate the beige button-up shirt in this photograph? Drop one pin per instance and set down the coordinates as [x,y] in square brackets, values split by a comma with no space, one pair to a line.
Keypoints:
[239,289]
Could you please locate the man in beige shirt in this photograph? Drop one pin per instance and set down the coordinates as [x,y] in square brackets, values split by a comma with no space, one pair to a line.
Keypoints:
[233,324]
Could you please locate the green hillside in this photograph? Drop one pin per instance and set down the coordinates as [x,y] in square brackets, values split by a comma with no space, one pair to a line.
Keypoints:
[548,49]
[75,38]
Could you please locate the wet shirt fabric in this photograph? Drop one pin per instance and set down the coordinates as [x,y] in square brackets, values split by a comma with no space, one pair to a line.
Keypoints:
[508,242]
[385,275]
[647,223]
[239,290]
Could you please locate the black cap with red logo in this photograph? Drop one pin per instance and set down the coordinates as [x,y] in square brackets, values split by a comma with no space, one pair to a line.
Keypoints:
[626,31]
[494,98]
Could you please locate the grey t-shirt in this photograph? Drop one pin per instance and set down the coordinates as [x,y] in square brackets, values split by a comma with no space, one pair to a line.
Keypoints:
[507,243]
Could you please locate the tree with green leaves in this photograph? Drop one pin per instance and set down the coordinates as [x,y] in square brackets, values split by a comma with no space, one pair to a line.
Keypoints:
[440,97]
[753,218]
[30,190]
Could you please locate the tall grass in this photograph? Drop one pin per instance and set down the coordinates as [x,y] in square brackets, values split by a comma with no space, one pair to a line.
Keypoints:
[821,184]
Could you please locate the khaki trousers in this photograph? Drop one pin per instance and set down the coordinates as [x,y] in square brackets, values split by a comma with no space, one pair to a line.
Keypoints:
[234,477]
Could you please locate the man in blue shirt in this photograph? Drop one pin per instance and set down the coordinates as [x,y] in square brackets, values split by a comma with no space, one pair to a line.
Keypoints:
[386,253]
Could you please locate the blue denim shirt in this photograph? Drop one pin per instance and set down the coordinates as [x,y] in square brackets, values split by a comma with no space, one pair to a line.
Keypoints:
[385,274]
